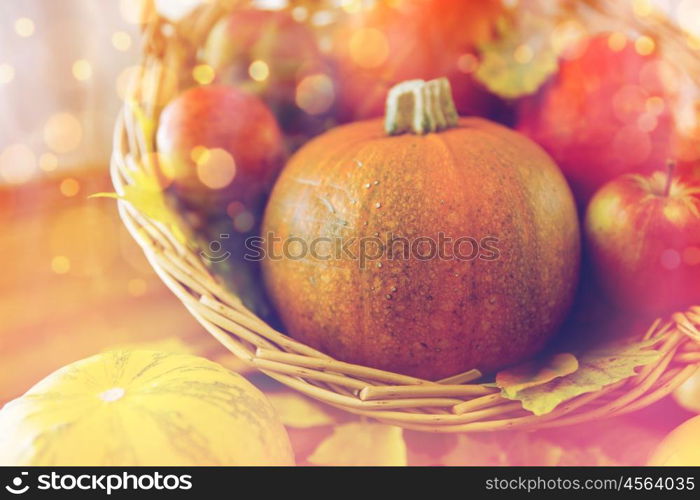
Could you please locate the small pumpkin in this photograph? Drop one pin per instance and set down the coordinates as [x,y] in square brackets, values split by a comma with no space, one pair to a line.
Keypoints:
[496,294]
[124,408]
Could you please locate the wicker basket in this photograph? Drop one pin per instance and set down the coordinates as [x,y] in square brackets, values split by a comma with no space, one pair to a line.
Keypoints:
[451,405]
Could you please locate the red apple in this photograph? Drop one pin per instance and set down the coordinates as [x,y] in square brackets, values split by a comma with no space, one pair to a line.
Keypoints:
[644,239]
[399,41]
[606,113]
[219,145]
[277,58]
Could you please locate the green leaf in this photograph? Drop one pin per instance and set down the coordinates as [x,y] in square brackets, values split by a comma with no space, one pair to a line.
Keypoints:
[597,369]
[360,443]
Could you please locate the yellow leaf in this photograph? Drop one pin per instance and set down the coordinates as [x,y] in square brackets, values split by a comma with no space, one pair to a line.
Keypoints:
[521,58]
[535,373]
[145,123]
[146,195]
[597,368]
[297,411]
[360,443]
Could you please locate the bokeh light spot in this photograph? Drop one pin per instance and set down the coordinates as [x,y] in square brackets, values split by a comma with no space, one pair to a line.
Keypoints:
[216,169]
[60,264]
[121,41]
[243,222]
[617,42]
[644,45]
[82,70]
[642,8]
[647,122]
[670,259]
[24,27]
[7,73]
[126,81]
[628,102]
[259,70]
[199,154]
[17,164]
[688,15]
[315,94]
[135,11]
[203,74]
[63,133]
[523,54]
[655,105]
[69,187]
[351,6]
[369,48]
[48,162]
[567,37]
[467,63]
[234,208]
[300,13]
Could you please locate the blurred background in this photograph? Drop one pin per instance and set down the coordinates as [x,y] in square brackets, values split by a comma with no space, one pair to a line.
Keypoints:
[73,281]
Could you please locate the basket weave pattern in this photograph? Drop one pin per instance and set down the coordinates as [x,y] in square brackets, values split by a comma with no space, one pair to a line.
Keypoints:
[451,405]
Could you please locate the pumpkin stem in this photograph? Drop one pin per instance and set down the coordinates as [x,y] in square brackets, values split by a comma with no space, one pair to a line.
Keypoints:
[420,107]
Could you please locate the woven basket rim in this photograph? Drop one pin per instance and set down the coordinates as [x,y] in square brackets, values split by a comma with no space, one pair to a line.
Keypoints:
[455,404]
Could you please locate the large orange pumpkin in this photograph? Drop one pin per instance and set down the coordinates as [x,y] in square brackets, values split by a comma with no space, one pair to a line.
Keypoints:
[499,287]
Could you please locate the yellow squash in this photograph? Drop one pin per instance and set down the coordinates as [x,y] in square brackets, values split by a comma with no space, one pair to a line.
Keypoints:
[142,408]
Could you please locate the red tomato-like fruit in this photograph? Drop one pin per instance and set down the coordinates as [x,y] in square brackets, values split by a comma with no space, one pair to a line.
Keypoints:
[644,240]
[605,114]
[218,145]
[427,39]
[277,58]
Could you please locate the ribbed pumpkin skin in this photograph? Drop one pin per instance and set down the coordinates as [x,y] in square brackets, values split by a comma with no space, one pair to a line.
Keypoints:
[175,409]
[432,318]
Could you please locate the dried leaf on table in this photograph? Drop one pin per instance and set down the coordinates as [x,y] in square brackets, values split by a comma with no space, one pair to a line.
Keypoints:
[298,411]
[535,373]
[360,443]
[597,368]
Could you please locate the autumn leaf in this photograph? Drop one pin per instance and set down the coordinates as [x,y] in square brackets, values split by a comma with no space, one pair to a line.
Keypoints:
[520,59]
[360,443]
[146,124]
[597,368]
[146,195]
[299,412]
[535,373]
